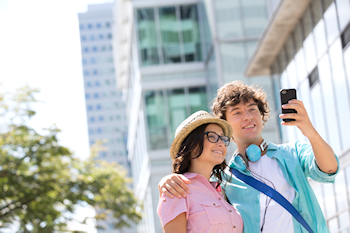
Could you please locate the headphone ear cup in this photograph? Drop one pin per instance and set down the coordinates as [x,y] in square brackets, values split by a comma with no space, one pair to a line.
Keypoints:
[253,153]
[240,162]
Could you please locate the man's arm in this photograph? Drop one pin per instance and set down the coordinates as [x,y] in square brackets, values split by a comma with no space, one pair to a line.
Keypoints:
[174,184]
[177,225]
[324,155]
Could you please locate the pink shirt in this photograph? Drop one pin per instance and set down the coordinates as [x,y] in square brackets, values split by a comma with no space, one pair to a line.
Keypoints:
[205,207]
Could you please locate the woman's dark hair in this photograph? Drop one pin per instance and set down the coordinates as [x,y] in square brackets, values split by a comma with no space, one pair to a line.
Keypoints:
[192,148]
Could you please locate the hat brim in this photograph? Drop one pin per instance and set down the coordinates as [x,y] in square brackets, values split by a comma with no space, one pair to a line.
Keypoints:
[175,146]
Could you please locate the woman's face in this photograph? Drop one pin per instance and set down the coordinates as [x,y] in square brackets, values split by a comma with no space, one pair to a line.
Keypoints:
[213,153]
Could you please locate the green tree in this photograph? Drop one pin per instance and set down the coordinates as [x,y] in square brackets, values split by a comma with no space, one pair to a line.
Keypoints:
[41,182]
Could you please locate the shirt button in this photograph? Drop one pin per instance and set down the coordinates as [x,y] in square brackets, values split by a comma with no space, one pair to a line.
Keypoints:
[256,201]
[164,200]
[219,198]
[230,210]
[214,204]
[234,226]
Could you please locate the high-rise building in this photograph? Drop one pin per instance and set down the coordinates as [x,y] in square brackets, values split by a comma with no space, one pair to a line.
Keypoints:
[171,58]
[306,46]
[104,106]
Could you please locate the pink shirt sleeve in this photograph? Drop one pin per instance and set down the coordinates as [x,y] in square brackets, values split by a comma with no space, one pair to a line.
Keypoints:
[170,208]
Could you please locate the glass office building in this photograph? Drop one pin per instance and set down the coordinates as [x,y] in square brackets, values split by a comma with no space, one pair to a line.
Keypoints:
[314,58]
[172,56]
[104,105]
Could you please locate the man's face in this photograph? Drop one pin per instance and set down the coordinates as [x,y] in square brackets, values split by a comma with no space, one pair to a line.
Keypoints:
[246,122]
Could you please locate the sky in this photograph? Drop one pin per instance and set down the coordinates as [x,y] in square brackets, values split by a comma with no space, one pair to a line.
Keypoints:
[40,47]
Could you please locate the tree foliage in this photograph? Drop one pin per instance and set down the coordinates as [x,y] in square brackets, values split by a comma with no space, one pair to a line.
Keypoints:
[41,181]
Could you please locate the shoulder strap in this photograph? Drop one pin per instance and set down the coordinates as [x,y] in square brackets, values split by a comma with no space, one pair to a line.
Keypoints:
[268,191]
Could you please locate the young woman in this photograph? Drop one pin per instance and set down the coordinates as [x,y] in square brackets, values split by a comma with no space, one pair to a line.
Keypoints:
[198,152]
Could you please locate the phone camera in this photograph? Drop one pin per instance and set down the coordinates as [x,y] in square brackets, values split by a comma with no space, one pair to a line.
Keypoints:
[284,92]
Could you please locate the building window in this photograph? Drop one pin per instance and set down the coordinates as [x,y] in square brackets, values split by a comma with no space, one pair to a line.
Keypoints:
[313,77]
[109,36]
[96,95]
[86,49]
[100,36]
[97,83]
[99,130]
[86,72]
[94,49]
[98,107]
[179,35]
[89,107]
[81,27]
[89,26]
[101,118]
[345,37]
[98,25]
[95,72]
[87,96]
[92,119]
[83,38]
[93,60]
[88,84]
[108,25]
[92,37]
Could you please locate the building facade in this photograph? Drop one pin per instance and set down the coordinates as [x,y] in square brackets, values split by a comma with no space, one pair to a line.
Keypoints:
[306,46]
[104,106]
[172,56]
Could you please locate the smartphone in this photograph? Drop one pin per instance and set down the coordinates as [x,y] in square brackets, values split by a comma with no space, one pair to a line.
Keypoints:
[286,95]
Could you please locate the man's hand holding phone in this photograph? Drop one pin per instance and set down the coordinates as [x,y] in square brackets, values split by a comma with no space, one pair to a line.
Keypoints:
[302,120]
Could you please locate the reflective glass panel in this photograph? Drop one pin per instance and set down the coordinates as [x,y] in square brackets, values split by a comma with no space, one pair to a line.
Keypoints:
[326,4]
[330,207]
[333,225]
[347,63]
[329,101]
[177,109]
[304,95]
[156,120]
[316,99]
[190,33]
[347,178]
[342,99]
[320,38]
[330,17]
[319,195]
[300,63]
[343,8]
[292,75]
[341,197]
[310,53]
[147,37]
[233,58]
[198,99]
[169,30]
[254,17]
[229,19]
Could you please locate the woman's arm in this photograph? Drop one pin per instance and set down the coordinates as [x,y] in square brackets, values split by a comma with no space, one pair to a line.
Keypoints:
[177,225]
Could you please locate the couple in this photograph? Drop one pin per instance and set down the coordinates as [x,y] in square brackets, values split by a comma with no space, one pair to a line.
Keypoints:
[198,153]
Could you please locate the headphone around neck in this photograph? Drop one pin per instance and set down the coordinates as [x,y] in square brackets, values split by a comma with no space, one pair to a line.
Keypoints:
[252,154]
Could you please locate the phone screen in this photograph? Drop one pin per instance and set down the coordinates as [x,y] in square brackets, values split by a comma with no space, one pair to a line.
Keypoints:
[286,95]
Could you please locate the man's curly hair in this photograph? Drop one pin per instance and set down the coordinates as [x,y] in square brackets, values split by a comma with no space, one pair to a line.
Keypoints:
[233,93]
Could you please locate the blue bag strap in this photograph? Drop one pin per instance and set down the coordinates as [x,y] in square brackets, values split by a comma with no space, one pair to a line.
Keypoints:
[268,191]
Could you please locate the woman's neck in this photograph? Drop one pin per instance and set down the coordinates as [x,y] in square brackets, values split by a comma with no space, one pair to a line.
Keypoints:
[204,170]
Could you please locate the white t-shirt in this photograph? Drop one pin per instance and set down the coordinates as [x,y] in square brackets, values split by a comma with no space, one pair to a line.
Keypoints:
[277,219]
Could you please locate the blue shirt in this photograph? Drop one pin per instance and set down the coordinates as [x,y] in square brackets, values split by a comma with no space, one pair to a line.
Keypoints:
[297,163]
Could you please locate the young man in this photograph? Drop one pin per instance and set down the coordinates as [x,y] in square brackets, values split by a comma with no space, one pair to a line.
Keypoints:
[283,167]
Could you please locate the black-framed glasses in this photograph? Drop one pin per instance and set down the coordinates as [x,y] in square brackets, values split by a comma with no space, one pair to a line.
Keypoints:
[214,138]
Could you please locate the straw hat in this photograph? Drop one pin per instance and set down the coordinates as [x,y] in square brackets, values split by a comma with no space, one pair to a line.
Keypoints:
[191,123]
